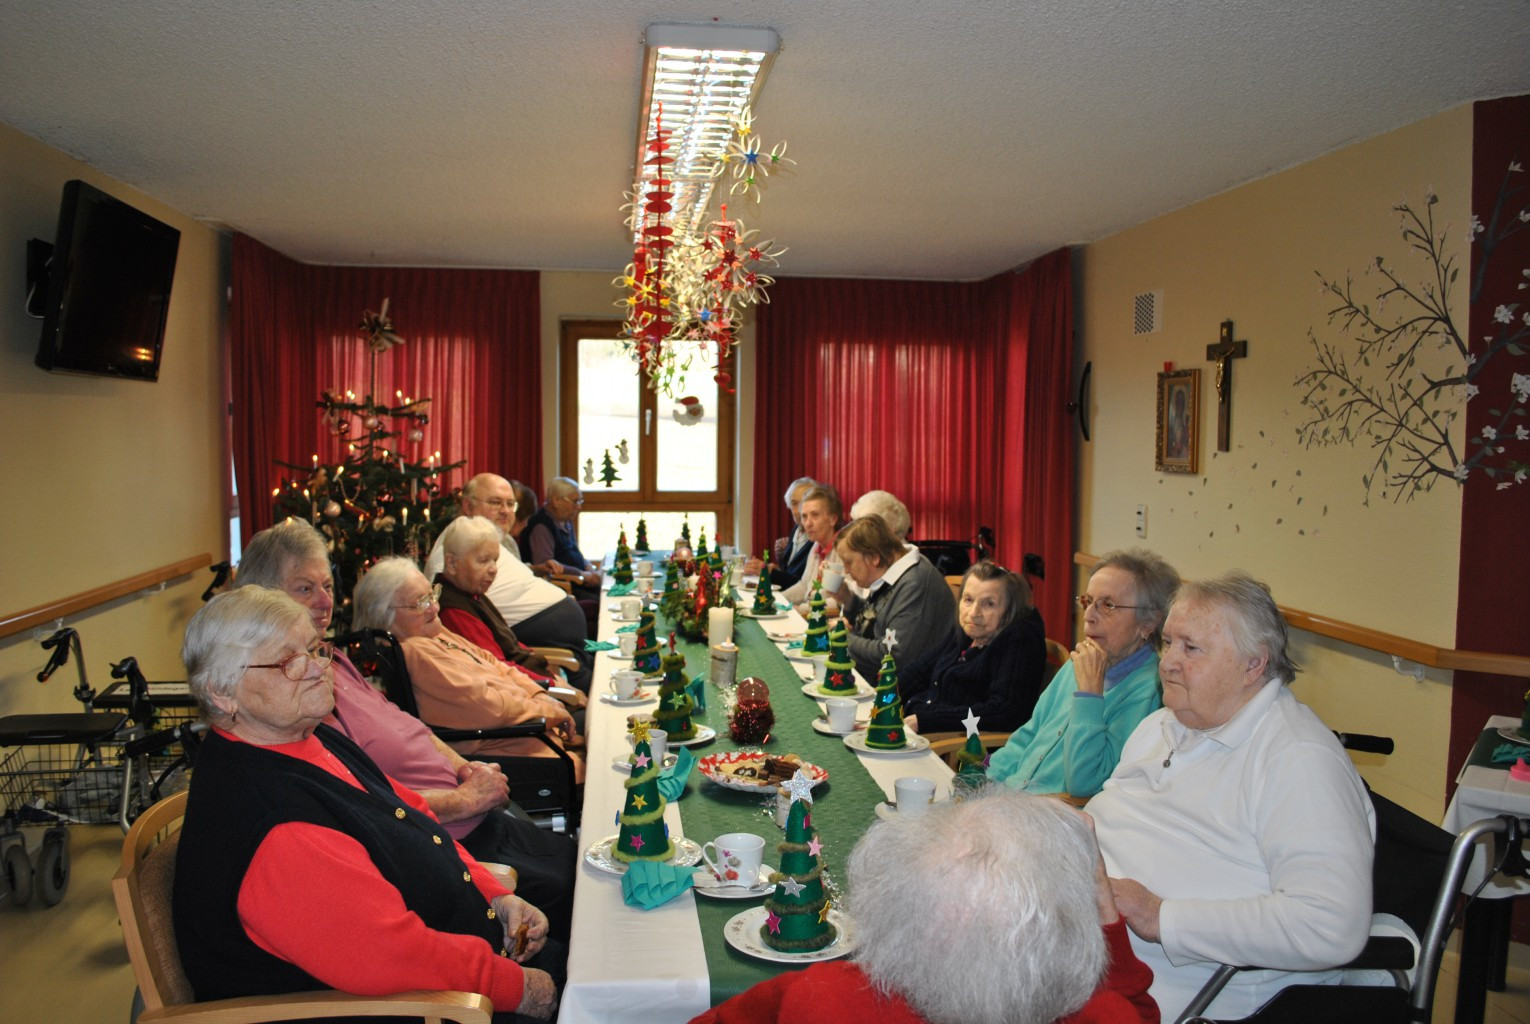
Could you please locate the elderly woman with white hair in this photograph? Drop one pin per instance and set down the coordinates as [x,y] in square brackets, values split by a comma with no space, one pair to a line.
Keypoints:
[471,546]
[881,503]
[1235,828]
[457,684]
[297,852]
[988,911]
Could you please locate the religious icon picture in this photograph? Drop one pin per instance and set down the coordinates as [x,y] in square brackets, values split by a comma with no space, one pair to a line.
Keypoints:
[1179,422]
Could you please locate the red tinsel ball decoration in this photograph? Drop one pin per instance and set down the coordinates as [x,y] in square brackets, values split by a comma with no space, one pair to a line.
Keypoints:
[751,722]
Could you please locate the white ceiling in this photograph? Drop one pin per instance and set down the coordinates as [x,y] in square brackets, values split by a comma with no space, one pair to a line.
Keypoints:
[946,139]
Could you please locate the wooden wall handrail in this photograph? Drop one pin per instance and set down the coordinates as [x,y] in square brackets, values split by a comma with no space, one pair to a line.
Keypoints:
[1389,643]
[19,621]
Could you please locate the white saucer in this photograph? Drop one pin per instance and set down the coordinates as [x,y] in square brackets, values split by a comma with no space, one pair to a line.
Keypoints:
[822,725]
[598,856]
[887,810]
[783,638]
[1513,735]
[617,616]
[621,763]
[706,884]
[617,655]
[743,933]
[862,692]
[750,613]
[704,734]
[917,744]
[631,702]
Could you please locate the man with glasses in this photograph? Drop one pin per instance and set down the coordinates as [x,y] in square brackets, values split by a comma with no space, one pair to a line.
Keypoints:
[1109,684]
[469,797]
[550,535]
[541,614]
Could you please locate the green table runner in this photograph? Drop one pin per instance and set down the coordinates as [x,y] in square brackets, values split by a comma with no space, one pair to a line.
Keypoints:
[843,807]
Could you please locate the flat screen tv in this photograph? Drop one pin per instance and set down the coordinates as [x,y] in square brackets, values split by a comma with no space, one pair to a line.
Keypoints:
[108,287]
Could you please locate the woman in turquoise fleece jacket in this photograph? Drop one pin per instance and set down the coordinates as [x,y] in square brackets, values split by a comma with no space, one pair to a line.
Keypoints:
[1108,685]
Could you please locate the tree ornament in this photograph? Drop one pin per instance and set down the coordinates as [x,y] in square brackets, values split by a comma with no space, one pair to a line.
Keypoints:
[416,435]
[589,471]
[608,474]
[622,455]
[643,835]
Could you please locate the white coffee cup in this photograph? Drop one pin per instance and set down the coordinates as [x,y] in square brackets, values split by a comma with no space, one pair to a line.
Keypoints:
[625,683]
[738,857]
[913,795]
[643,568]
[627,644]
[644,584]
[833,579]
[631,607]
[658,742]
[841,714]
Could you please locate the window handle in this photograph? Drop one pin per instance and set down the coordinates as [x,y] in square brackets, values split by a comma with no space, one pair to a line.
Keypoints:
[647,421]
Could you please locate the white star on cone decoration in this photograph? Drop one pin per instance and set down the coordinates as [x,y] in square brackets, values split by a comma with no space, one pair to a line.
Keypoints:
[890,640]
[799,786]
[971,722]
[792,886]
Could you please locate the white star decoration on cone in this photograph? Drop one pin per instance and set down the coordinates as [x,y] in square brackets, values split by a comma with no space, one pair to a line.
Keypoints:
[890,640]
[799,786]
[971,722]
[792,886]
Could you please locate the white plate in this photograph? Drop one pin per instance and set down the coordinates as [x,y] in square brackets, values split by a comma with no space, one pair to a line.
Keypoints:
[708,766]
[706,884]
[743,933]
[617,655]
[704,734]
[621,764]
[641,697]
[1512,734]
[598,856]
[750,613]
[917,744]
[822,725]
[783,638]
[863,691]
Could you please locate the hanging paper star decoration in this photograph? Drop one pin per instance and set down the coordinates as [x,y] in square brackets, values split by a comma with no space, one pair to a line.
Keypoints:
[971,722]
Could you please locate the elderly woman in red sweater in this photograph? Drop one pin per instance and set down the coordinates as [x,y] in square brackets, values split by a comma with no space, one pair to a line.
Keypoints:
[297,851]
[995,910]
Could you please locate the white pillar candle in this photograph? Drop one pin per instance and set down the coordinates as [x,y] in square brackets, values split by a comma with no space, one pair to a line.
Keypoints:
[719,625]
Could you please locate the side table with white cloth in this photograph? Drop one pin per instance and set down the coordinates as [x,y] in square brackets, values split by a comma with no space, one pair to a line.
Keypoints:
[1486,792]
[632,965]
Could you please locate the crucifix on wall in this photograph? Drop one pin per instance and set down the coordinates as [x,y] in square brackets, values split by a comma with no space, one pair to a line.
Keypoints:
[1223,353]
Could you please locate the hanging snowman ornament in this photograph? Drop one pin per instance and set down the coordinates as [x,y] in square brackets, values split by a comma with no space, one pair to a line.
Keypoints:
[688,411]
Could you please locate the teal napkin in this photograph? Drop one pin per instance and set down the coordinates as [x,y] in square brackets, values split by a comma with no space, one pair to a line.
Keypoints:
[621,589]
[599,645]
[794,645]
[698,692]
[672,779]
[1508,753]
[628,629]
[648,884]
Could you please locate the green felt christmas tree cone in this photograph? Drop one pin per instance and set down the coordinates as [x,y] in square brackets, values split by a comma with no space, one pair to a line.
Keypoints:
[643,834]
[621,571]
[640,542]
[885,731]
[672,600]
[646,658]
[685,529]
[797,913]
[816,639]
[839,670]
[700,554]
[971,762]
[765,595]
[674,711]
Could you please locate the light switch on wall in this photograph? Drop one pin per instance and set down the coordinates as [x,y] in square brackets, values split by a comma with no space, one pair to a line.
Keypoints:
[1142,520]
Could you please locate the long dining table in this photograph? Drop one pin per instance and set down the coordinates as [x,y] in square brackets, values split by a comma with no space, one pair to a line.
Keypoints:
[672,962]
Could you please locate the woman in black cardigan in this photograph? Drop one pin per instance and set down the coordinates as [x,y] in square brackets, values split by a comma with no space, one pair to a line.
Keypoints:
[996,668]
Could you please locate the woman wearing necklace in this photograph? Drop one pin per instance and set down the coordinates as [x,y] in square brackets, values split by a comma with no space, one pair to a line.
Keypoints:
[457,683]
[1235,829]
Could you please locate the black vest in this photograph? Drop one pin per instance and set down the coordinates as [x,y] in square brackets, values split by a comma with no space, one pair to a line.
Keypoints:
[565,550]
[240,793]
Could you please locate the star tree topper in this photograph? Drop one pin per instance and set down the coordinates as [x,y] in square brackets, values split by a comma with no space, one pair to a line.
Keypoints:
[971,722]
[799,786]
[890,640]
[640,730]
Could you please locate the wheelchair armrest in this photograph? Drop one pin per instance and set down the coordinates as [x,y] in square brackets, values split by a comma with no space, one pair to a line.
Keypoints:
[1383,953]
[536,728]
[559,657]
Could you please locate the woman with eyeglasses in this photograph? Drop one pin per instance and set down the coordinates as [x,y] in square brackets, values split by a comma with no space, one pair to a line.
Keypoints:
[457,684]
[1108,685]
[297,852]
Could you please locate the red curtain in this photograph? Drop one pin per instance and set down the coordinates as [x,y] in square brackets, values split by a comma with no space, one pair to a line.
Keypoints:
[473,346]
[949,395]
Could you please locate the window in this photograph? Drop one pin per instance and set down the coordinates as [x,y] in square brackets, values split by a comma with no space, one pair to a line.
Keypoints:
[671,468]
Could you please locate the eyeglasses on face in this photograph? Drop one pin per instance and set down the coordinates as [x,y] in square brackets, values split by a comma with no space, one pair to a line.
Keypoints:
[296,666]
[500,503]
[423,602]
[1105,604]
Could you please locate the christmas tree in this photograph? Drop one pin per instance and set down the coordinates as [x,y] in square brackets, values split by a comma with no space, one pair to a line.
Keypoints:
[685,529]
[672,600]
[885,731]
[765,596]
[643,835]
[972,761]
[674,711]
[621,572]
[608,474]
[640,542]
[816,639]
[839,670]
[700,553]
[646,658]
[797,914]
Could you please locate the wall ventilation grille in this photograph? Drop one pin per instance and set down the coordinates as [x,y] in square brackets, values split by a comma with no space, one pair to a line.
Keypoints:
[1147,313]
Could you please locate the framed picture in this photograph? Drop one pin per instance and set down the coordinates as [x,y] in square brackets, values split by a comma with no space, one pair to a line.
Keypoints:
[1179,422]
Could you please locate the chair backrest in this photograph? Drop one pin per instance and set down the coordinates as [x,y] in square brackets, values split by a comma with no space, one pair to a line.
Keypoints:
[955,583]
[142,889]
[1057,655]
[377,655]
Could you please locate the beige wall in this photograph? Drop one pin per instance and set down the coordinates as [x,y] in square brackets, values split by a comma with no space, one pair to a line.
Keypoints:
[104,479]
[572,295]
[1292,516]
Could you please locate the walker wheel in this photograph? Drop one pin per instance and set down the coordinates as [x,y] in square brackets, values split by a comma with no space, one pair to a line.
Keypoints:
[53,867]
[17,867]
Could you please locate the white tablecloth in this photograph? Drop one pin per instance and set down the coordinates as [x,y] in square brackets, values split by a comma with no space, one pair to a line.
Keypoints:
[1485,793]
[649,967]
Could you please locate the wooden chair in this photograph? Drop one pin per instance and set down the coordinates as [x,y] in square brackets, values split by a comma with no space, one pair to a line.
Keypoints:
[142,889]
[955,583]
